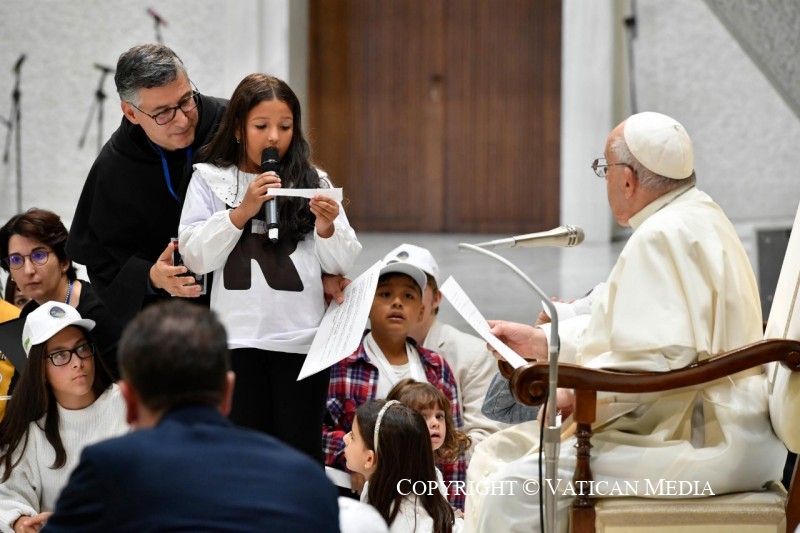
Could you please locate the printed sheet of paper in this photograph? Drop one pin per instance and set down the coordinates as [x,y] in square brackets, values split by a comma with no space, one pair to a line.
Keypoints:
[459,299]
[336,193]
[343,325]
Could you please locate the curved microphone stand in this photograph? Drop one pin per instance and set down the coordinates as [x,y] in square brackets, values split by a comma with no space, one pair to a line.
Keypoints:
[552,432]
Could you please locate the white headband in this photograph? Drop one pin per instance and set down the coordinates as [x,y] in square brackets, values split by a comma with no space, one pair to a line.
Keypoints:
[378,421]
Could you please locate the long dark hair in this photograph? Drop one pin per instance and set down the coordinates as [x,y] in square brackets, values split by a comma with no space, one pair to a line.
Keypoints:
[421,395]
[404,453]
[296,169]
[32,399]
[39,225]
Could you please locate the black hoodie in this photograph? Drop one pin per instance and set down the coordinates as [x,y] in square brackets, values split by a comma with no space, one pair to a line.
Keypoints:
[126,213]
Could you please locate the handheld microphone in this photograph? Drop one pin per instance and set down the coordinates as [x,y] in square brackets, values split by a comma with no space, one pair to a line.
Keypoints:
[564,236]
[270,162]
[156,17]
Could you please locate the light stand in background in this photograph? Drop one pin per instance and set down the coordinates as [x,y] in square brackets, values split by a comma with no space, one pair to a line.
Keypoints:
[13,124]
[552,432]
[159,21]
[97,106]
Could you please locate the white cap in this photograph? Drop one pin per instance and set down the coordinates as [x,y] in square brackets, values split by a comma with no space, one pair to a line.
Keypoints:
[47,320]
[414,255]
[409,270]
[660,144]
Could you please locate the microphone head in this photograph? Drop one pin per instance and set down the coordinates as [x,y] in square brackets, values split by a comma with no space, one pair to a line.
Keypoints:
[576,236]
[104,68]
[156,16]
[269,160]
[562,236]
[18,64]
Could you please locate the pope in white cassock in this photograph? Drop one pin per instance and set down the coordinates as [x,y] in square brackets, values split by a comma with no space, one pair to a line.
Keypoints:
[681,291]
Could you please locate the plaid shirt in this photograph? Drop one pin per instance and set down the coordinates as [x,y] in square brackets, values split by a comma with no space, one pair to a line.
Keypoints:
[354,381]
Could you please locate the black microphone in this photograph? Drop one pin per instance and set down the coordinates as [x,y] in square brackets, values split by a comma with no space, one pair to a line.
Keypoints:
[156,17]
[107,70]
[270,162]
[564,236]
[18,64]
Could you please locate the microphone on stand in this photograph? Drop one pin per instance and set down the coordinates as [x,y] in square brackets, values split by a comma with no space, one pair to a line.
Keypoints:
[563,236]
[156,17]
[159,21]
[270,162]
[551,443]
[18,64]
[103,68]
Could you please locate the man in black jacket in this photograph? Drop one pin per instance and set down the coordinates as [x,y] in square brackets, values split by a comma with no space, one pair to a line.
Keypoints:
[130,204]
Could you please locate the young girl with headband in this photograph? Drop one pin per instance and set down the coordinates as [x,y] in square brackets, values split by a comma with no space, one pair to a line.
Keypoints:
[390,446]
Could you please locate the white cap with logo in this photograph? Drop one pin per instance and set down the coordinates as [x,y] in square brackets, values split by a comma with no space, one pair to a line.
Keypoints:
[47,320]
[414,255]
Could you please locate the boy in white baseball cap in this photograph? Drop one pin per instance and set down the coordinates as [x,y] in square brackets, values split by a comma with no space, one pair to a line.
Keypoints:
[467,355]
[387,354]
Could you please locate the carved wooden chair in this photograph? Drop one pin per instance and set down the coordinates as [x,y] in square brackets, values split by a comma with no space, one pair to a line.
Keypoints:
[774,510]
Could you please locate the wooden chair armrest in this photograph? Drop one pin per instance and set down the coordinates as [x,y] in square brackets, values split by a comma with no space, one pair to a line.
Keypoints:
[530,382]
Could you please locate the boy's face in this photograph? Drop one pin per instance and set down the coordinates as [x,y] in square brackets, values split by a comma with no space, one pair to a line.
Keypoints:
[397,305]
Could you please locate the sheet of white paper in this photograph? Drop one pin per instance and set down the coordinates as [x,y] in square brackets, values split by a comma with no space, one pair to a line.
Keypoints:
[336,193]
[459,299]
[339,478]
[342,325]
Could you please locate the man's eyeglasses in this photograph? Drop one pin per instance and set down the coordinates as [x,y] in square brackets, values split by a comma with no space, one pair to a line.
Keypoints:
[63,357]
[38,257]
[166,116]
[600,166]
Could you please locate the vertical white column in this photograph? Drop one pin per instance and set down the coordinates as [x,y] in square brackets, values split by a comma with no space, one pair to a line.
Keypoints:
[257,40]
[587,98]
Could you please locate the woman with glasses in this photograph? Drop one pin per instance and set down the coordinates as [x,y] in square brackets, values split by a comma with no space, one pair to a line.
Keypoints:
[32,251]
[64,401]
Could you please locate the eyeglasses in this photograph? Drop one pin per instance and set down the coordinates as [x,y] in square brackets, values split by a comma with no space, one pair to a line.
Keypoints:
[38,257]
[600,166]
[165,117]
[63,357]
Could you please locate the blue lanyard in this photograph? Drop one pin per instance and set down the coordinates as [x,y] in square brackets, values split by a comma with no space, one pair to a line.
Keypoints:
[166,168]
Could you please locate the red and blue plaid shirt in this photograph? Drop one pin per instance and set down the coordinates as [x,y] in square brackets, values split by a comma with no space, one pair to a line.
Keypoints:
[354,381]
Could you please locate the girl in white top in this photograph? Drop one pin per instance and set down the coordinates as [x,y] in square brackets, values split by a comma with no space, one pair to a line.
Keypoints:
[63,402]
[391,446]
[267,286]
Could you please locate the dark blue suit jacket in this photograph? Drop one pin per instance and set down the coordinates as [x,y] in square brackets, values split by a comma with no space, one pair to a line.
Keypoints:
[195,471]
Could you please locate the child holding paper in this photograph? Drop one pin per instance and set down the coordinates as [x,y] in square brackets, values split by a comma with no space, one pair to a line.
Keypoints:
[385,356]
[268,295]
